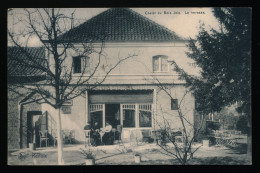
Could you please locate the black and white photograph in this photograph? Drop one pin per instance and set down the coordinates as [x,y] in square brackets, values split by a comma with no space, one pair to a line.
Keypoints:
[129,86]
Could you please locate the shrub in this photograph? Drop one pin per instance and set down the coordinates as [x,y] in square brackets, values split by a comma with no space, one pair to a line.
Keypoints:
[213,125]
[242,124]
[201,136]
[88,154]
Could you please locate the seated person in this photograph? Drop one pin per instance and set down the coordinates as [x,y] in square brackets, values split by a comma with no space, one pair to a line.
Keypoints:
[94,135]
[106,138]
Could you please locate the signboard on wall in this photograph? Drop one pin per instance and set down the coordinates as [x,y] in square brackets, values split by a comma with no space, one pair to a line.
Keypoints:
[67,103]
[66,109]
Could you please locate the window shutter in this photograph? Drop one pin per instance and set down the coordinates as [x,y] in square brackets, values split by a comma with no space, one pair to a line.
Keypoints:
[164,63]
[43,119]
[155,63]
[85,64]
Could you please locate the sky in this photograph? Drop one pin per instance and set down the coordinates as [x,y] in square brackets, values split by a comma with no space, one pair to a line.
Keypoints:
[179,20]
[183,21]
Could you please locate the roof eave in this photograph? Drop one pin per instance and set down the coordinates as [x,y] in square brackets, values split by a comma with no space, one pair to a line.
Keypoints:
[121,41]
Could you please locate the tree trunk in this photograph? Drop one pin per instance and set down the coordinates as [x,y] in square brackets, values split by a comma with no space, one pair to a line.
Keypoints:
[59,140]
[249,141]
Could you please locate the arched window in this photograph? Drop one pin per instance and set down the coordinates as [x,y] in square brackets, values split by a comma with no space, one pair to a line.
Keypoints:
[160,63]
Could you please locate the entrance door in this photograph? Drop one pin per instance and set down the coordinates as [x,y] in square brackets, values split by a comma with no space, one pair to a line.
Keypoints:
[112,114]
[32,118]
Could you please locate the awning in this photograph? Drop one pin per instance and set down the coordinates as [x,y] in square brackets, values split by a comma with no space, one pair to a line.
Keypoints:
[113,97]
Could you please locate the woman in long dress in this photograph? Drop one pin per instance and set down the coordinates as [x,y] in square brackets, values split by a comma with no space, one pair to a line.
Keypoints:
[106,138]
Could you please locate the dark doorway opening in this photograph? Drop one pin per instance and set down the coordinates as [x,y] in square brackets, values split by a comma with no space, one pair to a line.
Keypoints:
[113,114]
[96,117]
[33,127]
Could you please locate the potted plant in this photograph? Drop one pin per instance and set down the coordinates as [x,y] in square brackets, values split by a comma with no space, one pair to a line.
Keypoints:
[163,137]
[89,156]
[137,157]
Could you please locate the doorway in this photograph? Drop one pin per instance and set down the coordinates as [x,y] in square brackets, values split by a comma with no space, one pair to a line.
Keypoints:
[96,117]
[32,126]
[112,114]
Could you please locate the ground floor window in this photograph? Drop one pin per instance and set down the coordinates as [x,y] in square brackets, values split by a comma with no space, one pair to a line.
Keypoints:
[145,119]
[145,115]
[128,115]
[137,115]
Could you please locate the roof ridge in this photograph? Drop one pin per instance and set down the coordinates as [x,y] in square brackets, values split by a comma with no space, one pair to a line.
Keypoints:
[159,25]
[114,25]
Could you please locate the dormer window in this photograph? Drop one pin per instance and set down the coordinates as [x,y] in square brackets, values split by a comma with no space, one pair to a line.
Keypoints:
[160,63]
[81,64]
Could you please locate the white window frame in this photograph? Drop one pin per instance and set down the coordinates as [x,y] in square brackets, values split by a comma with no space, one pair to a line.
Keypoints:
[149,107]
[129,106]
[160,63]
[145,107]
[96,108]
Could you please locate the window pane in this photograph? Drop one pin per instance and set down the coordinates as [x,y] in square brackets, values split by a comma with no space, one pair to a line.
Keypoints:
[164,63]
[77,64]
[145,119]
[156,63]
[128,118]
[174,104]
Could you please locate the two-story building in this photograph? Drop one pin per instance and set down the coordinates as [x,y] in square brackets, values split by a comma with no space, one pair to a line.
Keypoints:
[130,95]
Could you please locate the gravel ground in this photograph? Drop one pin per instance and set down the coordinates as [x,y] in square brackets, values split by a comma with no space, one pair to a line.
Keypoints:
[119,155]
[211,155]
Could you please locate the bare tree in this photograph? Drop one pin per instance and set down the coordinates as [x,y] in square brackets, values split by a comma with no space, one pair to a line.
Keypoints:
[61,85]
[180,150]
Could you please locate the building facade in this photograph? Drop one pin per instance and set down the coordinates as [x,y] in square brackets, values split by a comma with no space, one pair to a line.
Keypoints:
[22,112]
[142,92]
[131,95]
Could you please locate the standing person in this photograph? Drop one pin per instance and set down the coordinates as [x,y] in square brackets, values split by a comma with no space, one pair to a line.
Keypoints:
[106,138]
[94,134]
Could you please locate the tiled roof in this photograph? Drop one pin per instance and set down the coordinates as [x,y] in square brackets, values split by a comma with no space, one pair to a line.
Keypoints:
[119,25]
[19,63]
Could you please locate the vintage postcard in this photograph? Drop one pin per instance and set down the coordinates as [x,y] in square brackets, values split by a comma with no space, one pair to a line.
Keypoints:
[129,86]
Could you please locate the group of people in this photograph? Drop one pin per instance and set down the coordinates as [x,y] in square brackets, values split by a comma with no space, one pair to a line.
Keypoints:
[95,134]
